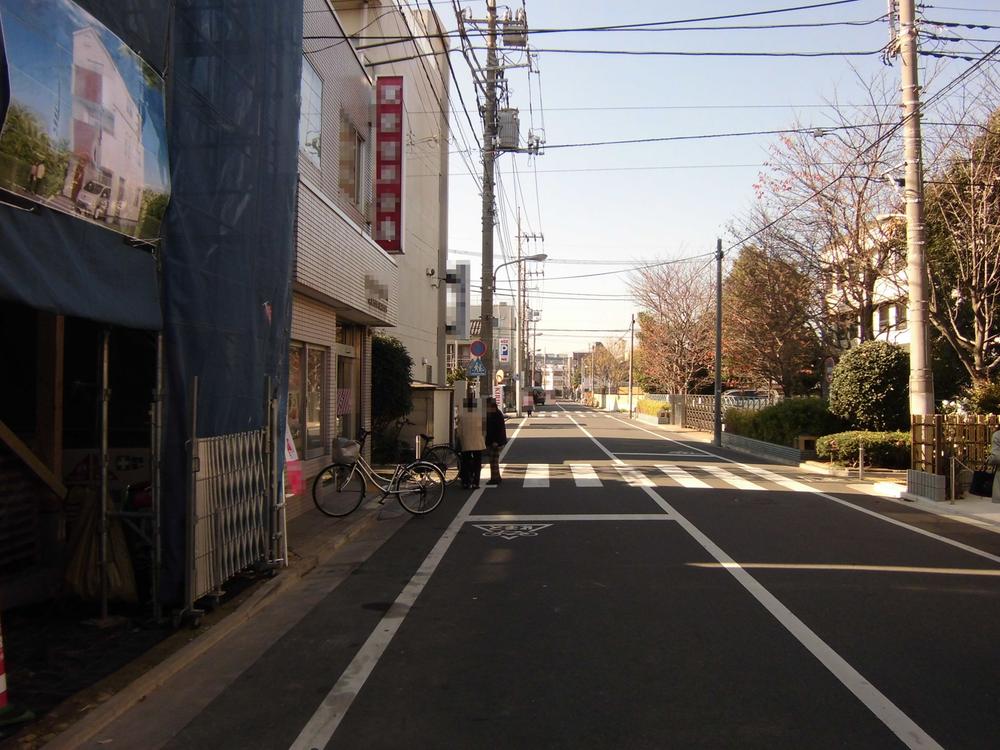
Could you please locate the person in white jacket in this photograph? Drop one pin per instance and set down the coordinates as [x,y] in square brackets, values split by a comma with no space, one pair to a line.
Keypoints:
[471,442]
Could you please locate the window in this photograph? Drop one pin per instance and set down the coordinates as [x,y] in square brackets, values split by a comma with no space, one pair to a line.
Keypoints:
[352,163]
[311,113]
[307,389]
[901,316]
[883,317]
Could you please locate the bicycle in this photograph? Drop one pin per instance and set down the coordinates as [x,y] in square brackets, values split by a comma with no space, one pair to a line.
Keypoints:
[341,486]
[441,455]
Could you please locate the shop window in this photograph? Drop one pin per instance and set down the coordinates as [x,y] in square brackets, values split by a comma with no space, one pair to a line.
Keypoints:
[311,113]
[352,163]
[307,399]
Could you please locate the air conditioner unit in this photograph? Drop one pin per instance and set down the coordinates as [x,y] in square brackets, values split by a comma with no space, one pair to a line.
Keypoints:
[509,129]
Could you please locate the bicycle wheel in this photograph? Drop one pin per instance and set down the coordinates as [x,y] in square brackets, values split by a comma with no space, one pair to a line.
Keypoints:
[420,487]
[445,458]
[338,489]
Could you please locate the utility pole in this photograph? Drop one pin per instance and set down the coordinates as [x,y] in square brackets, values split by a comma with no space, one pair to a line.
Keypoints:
[522,306]
[631,347]
[489,157]
[921,378]
[718,343]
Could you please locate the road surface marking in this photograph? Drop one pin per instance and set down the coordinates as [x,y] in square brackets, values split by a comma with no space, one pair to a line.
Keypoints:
[570,517]
[633,477]
[682,477]
[585,476]
[729,478]
[536,475]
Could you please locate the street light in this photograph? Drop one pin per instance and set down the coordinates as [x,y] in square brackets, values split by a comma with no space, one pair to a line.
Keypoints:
[538,257]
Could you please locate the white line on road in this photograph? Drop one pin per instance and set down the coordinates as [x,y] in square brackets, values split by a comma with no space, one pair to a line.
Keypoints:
[536,475]
[504,518]
[324,722]
[584,475]
[729,478]
[898,722]
[682,477]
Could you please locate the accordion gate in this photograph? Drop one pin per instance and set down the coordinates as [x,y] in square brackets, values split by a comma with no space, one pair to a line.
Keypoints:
[235,511]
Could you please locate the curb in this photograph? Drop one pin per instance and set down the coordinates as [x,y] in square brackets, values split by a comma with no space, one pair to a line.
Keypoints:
[100,717]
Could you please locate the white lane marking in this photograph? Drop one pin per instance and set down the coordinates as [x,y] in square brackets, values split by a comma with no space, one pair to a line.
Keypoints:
[324,722]
[585,476]
[501,518]
[663,454]
[536,475]
[899,723]
[785,482]
[633,477]
[682,477]
[729,478]
[845,503]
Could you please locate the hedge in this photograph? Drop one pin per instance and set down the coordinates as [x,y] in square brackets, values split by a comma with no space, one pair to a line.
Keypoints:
[652,408]
[889,450]
[783,422]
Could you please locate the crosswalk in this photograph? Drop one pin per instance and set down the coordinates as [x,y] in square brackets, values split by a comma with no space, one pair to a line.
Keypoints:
[688,475]
[576,414]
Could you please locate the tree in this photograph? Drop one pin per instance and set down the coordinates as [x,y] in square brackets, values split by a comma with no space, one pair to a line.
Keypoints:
[818,204]
[391,380]
[870,386]
[610,366]
[767,336]
[677,328]
[963,248]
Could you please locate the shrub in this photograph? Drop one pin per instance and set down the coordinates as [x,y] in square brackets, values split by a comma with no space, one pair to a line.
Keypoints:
[983,397]
[652,408]
[784,421]
[870,386]
[392,398]
[890,450]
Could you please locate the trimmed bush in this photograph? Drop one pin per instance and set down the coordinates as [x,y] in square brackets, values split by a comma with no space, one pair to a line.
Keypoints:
[652,408]
[870,387]
[889,450]
[783,422]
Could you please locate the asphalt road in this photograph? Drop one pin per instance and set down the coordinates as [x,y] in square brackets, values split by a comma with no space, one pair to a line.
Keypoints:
[619,590]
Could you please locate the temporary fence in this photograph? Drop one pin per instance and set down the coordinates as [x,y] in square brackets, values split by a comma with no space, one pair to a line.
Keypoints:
[235,506]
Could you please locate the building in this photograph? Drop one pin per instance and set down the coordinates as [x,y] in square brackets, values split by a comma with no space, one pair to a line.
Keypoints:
[422,65]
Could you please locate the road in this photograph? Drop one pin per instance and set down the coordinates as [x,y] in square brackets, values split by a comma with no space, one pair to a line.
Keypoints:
[620,589]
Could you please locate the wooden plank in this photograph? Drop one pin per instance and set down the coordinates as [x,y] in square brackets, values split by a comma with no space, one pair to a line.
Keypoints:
[32,461]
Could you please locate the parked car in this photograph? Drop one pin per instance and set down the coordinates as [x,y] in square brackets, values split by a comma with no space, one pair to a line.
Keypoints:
[93,200]
[539,395]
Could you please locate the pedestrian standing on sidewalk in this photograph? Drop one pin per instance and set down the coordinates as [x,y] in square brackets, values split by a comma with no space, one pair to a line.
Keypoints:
[994,460]
[496,439]
[472,441]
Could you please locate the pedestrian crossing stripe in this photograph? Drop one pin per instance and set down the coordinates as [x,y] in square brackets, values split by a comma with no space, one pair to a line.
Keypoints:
[691,476]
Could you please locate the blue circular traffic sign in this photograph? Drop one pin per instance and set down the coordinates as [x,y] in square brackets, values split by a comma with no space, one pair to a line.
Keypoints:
[477,348]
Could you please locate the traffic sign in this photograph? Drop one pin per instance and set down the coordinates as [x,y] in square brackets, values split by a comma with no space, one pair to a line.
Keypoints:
[504,348]
[477,368]
[477,348]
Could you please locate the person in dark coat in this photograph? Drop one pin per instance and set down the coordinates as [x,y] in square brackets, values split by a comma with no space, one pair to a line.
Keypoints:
[496,438]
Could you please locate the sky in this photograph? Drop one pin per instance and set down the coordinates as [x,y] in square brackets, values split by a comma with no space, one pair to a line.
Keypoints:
[606,209]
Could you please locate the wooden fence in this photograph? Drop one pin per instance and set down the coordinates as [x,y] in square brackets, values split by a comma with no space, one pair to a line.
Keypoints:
[935,438]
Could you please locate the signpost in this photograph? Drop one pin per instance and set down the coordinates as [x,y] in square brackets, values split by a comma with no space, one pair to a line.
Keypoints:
[504,349]
[477,368]
[477,348]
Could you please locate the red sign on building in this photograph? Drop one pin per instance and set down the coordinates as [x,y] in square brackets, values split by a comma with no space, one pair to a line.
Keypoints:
[389,163]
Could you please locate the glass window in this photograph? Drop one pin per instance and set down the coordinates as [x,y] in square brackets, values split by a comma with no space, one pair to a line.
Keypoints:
[315,381]
[311,113]
[352,163]
[901,316]
[307,399]
[295,397]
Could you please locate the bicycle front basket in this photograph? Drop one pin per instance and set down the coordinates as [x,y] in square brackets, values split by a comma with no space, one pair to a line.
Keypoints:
[346,451]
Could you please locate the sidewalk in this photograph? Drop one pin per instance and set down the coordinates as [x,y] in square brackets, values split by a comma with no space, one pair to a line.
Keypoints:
[313,538]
